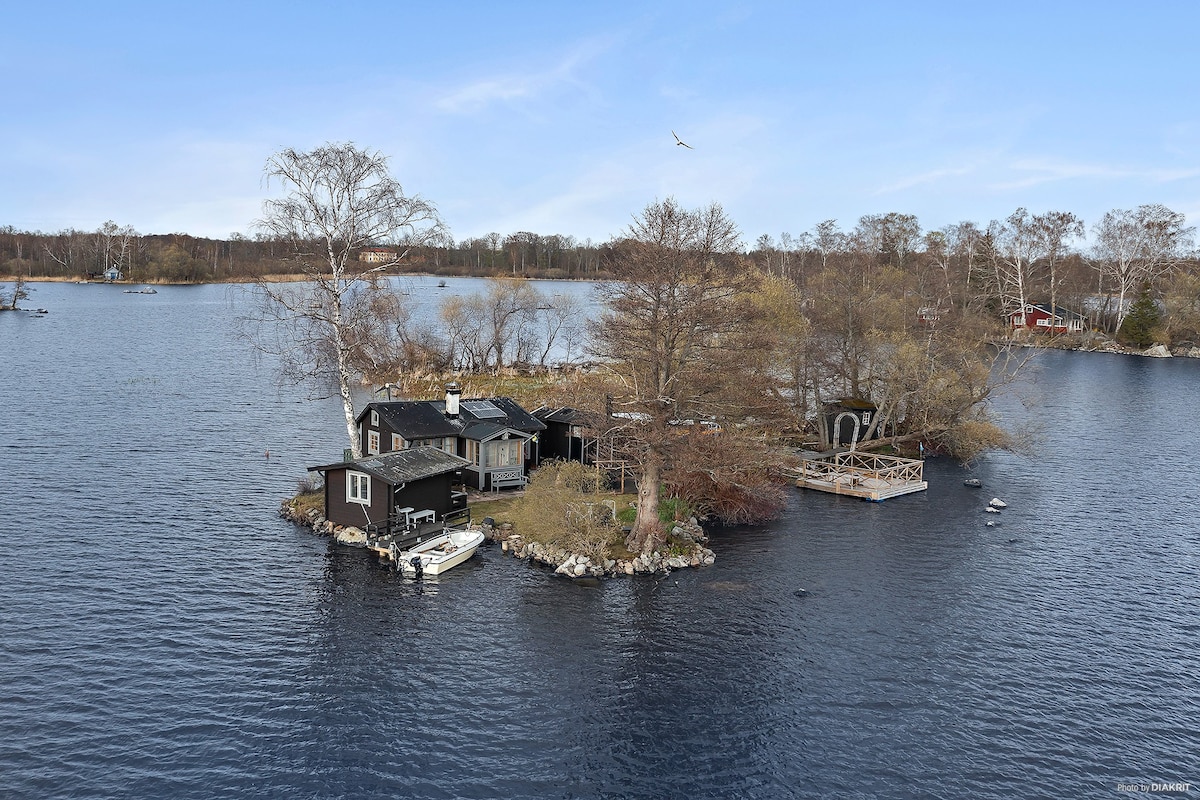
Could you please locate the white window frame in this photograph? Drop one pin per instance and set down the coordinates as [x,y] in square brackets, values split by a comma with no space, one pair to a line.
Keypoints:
[373,443]
[397,441]
[358,488]
[375,418]
[473,452]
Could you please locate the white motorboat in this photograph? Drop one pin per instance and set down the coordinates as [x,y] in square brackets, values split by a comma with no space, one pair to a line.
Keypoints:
[435,556]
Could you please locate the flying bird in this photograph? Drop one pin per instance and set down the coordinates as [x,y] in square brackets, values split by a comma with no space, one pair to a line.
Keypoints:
[681,142]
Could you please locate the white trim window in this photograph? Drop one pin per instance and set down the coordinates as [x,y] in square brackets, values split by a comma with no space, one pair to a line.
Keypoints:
[397,441]
[373,443]
[375,418]
[358,488]
[473,451]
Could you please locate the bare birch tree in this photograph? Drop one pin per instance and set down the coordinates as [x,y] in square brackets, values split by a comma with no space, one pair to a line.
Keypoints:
[1136,247]
[1017,246]
[113,246]
[1056,230]
[339,199]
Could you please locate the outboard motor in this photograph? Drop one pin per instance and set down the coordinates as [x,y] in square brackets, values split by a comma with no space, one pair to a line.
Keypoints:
[418,571]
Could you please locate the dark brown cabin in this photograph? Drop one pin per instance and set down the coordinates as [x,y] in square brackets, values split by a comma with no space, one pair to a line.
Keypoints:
[393,488]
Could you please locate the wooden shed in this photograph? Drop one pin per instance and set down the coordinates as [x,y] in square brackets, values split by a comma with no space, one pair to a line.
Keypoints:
[847,420]
[570,435]
[394,488]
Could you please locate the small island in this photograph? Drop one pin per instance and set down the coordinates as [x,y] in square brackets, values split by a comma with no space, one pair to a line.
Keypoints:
[702,376]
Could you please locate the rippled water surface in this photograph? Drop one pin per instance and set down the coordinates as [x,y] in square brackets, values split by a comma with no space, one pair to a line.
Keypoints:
[164,634]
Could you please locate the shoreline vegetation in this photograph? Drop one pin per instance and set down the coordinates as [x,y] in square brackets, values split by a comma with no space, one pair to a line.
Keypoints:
[708,359]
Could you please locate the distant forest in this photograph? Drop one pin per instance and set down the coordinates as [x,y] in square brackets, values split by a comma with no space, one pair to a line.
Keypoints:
[990,271]
[182,258]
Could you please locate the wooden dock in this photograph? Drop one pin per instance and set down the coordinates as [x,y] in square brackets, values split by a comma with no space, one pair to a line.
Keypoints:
[866,475]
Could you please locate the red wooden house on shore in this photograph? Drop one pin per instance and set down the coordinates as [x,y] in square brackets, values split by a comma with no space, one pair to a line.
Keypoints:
[1039,317]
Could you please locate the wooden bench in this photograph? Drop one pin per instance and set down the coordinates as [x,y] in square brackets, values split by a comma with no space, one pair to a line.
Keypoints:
[508,482]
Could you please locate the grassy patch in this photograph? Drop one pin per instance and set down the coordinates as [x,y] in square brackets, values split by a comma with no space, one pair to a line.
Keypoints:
[308,501]
[499,509]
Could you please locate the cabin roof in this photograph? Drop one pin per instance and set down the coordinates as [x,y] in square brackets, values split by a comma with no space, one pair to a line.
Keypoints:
[414,419]
[1059,311]
[853,403]
[401,466]
[567,415]
[426,419]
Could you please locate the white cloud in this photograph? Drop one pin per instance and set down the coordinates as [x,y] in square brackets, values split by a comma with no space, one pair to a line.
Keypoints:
[921,179]
[481,93]
[1048,170]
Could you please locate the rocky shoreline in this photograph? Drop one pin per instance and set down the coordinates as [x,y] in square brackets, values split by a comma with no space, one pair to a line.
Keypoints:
[1091,344]
[568,565]
[574,565]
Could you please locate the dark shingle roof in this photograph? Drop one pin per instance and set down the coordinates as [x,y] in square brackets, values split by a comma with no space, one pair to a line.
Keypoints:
[570,416]
[414,419]
[479,431]
[426,419]
[402,466]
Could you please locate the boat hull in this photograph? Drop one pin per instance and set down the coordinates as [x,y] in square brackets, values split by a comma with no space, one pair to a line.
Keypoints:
[441,553]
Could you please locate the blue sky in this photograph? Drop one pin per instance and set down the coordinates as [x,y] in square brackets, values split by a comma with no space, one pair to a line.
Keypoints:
[557,117]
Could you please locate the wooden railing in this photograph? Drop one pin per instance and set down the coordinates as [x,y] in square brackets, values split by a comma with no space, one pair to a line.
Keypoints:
[892,469]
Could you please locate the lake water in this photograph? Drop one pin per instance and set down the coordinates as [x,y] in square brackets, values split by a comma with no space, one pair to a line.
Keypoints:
[164,634]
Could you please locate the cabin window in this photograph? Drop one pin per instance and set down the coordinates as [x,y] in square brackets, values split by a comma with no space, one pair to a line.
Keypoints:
[375,418]
[505,453]
[473,452]
[397,441]
[1044,322]
[373,443]
[358,488]
[449,445]
[866,418]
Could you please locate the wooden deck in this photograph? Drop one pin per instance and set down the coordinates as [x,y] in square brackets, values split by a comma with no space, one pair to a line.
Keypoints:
[866,475]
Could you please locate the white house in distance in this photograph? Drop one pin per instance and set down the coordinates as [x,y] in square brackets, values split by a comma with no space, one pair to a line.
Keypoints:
[376,255]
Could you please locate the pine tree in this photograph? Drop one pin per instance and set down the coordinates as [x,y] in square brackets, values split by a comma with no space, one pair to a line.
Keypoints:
[1144,318]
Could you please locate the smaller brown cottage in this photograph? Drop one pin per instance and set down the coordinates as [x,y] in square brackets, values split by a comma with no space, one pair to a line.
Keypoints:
[391,489]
